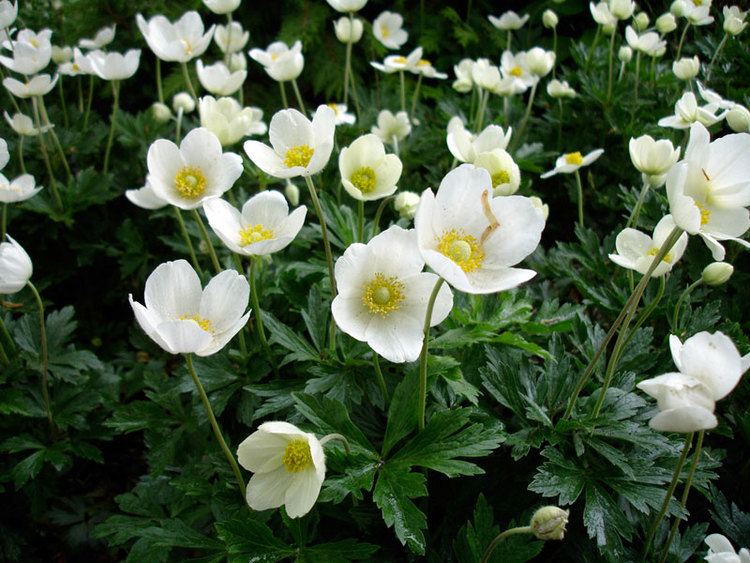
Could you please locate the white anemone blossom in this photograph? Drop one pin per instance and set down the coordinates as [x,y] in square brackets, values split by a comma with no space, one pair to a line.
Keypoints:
[183,318]
[687,111]
[281,62]
[15,267]
[721,550]
[228,120]
[18,189]
[465,146]
[572,161]
[392,128]
[383,295]
[145,198]
[388,29]
[180,41]
[367,173]
[636,250]
[218,79]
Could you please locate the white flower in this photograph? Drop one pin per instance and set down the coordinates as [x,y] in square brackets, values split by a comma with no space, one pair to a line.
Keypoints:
[279,61]
[648,43]
[231,38]
[698,14]
[738,119]
[465,146]
[622,9]
[721,550]
[367,173]
[161,112]
[549,19]
[115,66]
[23,125]
[228,120]
[8,13]
[342,117]
[425,68]
[183,101]
[391,127]
[145,197]
[685,405]
[713,98]
[347,6]
[61,55]
[348,31]
[396,63]
[103,37]
[218,80]
[625,54]
[4,154]
[222,7]
[485,75]
[387,29]
[717,273]
[264,226]
[183,318]
[636,250]
[40,85]
[197,170]
[288,468]
[686,68]
[572,161]
[237,61]
[653,158]
[31,52]
[641,21]
[678,8]
[471,239]
[405,204]
[687,112]
[300,147]
[513,67]
[383,295]
[179,42]
[709,190]
[504,172]
[20,189]
[291,192]
[81,64]
[666,23]
[560,89]
[15,267]
[734,20]
[602,15]
[538,61]
[509,21]
[464,81]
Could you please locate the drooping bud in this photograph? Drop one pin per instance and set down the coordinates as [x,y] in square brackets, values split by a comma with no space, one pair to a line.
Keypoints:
[549,19]
[183,101]
[161,112]
[717,273]
[548,523]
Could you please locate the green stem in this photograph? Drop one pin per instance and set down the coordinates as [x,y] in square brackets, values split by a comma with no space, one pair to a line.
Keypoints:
[3,356]
[716,54]
[483,99]
[682,40]
[159,89]
[241,333]
[637,72]
[403,90]
[422,397]
[683,296]
[6,335]
[45,155]
[207,238]
[501,537]
[46,122]
[45,355]
[79,87]
[579,188]
[61,92]
[376,220]
[611,63]
[381,379]
[257,312]
[215,425]
[188,242]
[633,220]
[113,122]
[518,137]
[20,154]
[508,40]
[11,96]
[4,222]
[348,66]
[668,496]
[415,96]
[360,221]
[299,97]
[88,103]
[178,126]
[228,52]
[594,43]
[355,96]
[188,82]
[282,89]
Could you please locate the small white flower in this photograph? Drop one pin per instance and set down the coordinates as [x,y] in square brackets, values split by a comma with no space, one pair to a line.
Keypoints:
[514,67]
[734,20]
[698,14]
[549,19]
[181,41]
[560,89]
[218,80]
[20,189]
[465,146]
[8,13]
[81,64]
[228,120]
[61,55]
[342,117]
[653,158]
[115,66]
[602,15]
[641,21]
[396,63]
[183,101]
[31,52]
[509,21]
[721,550]
[183,318]
[288,467]
[145,198]
[425,68]
[687,112]
[387,29]
[686,68]
[264,226]
[666,23]
[23,125]
[347,6]
[622,9]
[486,75]
[279,61]
[636,250]
[299,147]
[15,267]
[383,295]
[504,172]
[39,85]
[231,38]
[464,81]
[648,43]
[348,31]
[237,61]
[367,173]
[392,127]
[197,170]
[625,54]
[405,204]
[222,7]
[572,161]
[103,37]
[538,61]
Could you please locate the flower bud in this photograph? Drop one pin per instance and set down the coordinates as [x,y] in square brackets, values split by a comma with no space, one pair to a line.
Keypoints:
[15,267]
[406,204]
[641,21]
[549,19]
[686,68]
[734,25]
[539,62]
[548,523]
[61,55]
[183,101]
[222,6]
[608,28]
[346,31]
[738,119]
[717,273]
[678,8]
[625,54]
[292,193]
[237,61]
[666,23]
[161,112]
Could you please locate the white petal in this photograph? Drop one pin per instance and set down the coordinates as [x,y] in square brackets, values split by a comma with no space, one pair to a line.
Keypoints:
[224,300]
[302,493]
[262,451]
[183,337]
[172,290]
[714,360]
[268,490]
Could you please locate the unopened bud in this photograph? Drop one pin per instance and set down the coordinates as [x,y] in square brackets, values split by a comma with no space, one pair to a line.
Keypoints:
[161,112]
[292,193]
[549,19]
[406,204]
[678,8]
[717,273]
[738,119]
[666,23]
[548,523]
[641,21]
[183,101]
[625,54]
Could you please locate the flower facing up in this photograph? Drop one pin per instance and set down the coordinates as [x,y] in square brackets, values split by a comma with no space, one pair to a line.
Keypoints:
[31,52]
[228,120]
[538,61]
[504,172]
[648,43]
[514,67]
[509,21]
[15,267]
[222,7]
[465,146]
[231,38]
[636,250]
[103,37]
[709,368]
[709,190]
[572,161]
[666,23]
[396,63]
[81,64]
[388,29]
[299,147]
[464,81]
[560,89]
[347,6]
[698,13]
[687,111]
[179,42]
[187,175]
[392,128]
[425,68]
[145,198]
[279,61]
[367,173]
[218,79]
[342,116]
[348,31]
[288,467]
[471,239]
[686,68]
[183,318]
[115,66]
[383,294]
[653,158]
[40,85]
[721,550]
[263,227]
[20,189]
[734,20]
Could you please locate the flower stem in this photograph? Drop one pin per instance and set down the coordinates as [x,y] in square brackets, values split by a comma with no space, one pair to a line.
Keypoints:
[6,335]
[215,425]
[518,137]
[422,398]
[376,220]
[611,63]
[299,97]
[483,99]
[682,40]
[4,222]
[20,154]
[360,220]
[159,89]
[88,103]
[44,355]
[633,220]
[257,312]
[348,66]
[207,238]
[282,89]
[328,437]
[554,50]
[188,242]
[188,82]
[61,92]
[501,537]
[716,54]
[637,72]
[668,496]
[46,122]
[79,87]
[415,96]
[403,90]
[594,43]
[3,356]
[579,188]
[45,155]
[381,379]
[113,122]
[178,125]
[683,296]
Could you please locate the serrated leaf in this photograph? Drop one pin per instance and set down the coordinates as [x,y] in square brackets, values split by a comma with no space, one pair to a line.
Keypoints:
[396,487]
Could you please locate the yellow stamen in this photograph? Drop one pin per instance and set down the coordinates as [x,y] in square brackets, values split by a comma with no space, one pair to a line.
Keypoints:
[205,324]
[400,60]
[653,251]
[187,47]
[424,62]
[334,107]
[34,43]
[254,233]
[298,156]
[516,71]
[463,249]
[297,456]
[189,182]
[384,31]
[274,56]
[705,213]
[499,178]
[364,179]
[75,67]
[383,295]
[574,158]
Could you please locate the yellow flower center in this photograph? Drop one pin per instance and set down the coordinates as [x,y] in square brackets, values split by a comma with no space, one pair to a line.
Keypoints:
[364,179]
[705,213]
[463,249]
[298,156]
[297,456]
[34,43]
[187,47]
[205,324]
[574,158]
[424,62]
[75,67]
[189,182]
[697,2]
[274,56]
[384,31]
[400,60]
[334,107]
[254,233]
[499,178]
[653,251]
[383,295]
[516,71]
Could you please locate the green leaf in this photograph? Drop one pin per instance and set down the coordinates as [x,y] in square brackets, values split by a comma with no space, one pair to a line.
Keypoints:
[331,417]
[354,480]
[337,552]
[395,488]
[253,540]
[301,350]
[402,413]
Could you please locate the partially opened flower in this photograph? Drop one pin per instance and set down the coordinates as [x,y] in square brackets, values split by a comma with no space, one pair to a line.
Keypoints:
[471,239]
[81,64]
[23,125]
[348,31]
[145,197]
[425,68]
[115,66]
[347,6]
[383,295]
[649,43]
[622,9]
[19,189]
[342,116]
[180,41]
[603,16]
[4,154]
[288,467]
[698,13]
[8,13]
[392,128]
[734,20]
[636,250]
[367,173]
[222,7]
[572,161]
[721,550]
[512,67]
[465,146]
[653,158]
[31,52]
[39,85]
[103,37]
[485,75]
[264,226]
[685,405]
[504,172]
[687,111]
[509,21]
[231,38]
[464,81]
[183,318]
[388,29]
[738,119]
[560,89]
[197,170]
[538,61]
[279,61]
[399,63]
[666,23]
[229,121]
[686,68]
[405,204]
[15,267]
[218,79]
[299,147]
